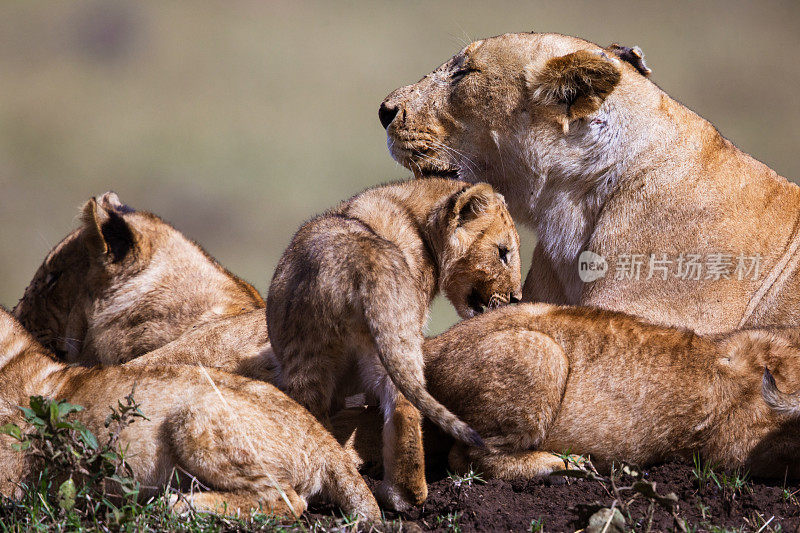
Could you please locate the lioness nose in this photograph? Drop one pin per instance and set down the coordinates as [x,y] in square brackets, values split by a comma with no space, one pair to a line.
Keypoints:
[386,113]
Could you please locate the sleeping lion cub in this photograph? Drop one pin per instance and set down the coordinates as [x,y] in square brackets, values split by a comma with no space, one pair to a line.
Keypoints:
[351,294]
[537,379]
[615,387]
[246,441]
[126,284]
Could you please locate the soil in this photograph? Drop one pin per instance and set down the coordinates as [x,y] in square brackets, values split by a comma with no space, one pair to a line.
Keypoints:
[567,505]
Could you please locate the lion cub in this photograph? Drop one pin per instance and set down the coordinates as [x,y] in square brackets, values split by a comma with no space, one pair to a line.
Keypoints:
[617,388]
[351,294]
[249,444]
[127,283]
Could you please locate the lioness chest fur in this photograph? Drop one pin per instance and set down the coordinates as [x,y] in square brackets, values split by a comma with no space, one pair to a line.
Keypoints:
[595,157]
[350,296]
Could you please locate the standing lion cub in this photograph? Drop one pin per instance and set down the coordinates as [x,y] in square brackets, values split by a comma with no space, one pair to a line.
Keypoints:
[351,295]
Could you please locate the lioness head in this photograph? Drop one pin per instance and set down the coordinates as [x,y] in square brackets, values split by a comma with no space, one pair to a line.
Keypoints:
[508,105]
[125,283]
[479,251]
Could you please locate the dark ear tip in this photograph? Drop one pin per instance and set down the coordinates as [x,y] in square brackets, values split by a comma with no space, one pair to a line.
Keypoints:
[632,55]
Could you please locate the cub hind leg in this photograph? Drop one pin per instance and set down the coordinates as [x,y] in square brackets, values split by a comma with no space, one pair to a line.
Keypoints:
[285,502]
[403,455]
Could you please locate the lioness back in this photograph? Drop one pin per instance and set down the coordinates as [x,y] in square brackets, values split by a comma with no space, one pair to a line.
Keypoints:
[350,297]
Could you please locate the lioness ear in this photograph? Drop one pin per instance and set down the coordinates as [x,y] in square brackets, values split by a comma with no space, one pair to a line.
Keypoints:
[575,84]
[106,232]
[634,56]
[472,202]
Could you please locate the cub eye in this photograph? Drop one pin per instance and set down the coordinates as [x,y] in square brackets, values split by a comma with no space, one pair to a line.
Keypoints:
[503,252]
[459,74]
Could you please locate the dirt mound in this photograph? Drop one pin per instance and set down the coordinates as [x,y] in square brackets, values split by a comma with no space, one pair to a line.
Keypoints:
[716,504]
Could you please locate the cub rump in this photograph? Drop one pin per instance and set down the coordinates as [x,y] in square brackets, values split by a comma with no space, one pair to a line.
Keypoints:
[351,295]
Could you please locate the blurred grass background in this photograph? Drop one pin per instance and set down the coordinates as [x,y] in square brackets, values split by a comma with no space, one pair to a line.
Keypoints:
[237,120]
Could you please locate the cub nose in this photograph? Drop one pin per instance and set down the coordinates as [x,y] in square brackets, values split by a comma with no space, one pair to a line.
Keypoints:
[386,113]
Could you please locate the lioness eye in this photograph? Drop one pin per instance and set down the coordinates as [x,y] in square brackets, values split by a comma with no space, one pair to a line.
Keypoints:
[51,278]
[503,251]
[460,73]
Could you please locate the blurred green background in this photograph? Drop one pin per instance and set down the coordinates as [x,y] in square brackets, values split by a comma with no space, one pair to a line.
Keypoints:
[238,120]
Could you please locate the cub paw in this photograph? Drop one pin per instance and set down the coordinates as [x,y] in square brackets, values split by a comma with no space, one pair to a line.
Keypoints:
[392,497]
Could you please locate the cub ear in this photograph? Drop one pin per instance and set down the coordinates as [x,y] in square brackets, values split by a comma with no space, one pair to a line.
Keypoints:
[107,233]
[472,202]
[575,84]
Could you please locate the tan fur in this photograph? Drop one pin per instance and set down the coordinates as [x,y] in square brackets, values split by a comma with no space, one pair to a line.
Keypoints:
[243,439]
[351,294]
[535,379]
[127,283]
[593,156]
[609,385]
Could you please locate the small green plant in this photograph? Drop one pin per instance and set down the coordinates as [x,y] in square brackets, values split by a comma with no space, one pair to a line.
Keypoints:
[790,496]
[466,479]
[537,525]
[450,522]
[79,476]
[731,483]
[703,472]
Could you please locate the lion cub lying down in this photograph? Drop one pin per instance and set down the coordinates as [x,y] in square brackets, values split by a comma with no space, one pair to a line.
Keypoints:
[127,286]
[248,442]
[536,378]
[351,294]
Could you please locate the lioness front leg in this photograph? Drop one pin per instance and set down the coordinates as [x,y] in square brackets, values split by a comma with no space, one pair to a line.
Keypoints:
[529,464]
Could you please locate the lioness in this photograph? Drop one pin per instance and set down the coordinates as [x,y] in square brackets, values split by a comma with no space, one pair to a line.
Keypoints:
[595,157]
[351,294]
[589,381]
[127,283]
[250,444]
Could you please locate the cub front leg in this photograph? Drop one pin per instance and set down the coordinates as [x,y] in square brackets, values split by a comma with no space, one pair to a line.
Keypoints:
[529,464]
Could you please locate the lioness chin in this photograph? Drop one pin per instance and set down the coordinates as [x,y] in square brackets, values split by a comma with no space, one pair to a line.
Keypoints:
[250,445]
[595,157]
[127,286]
